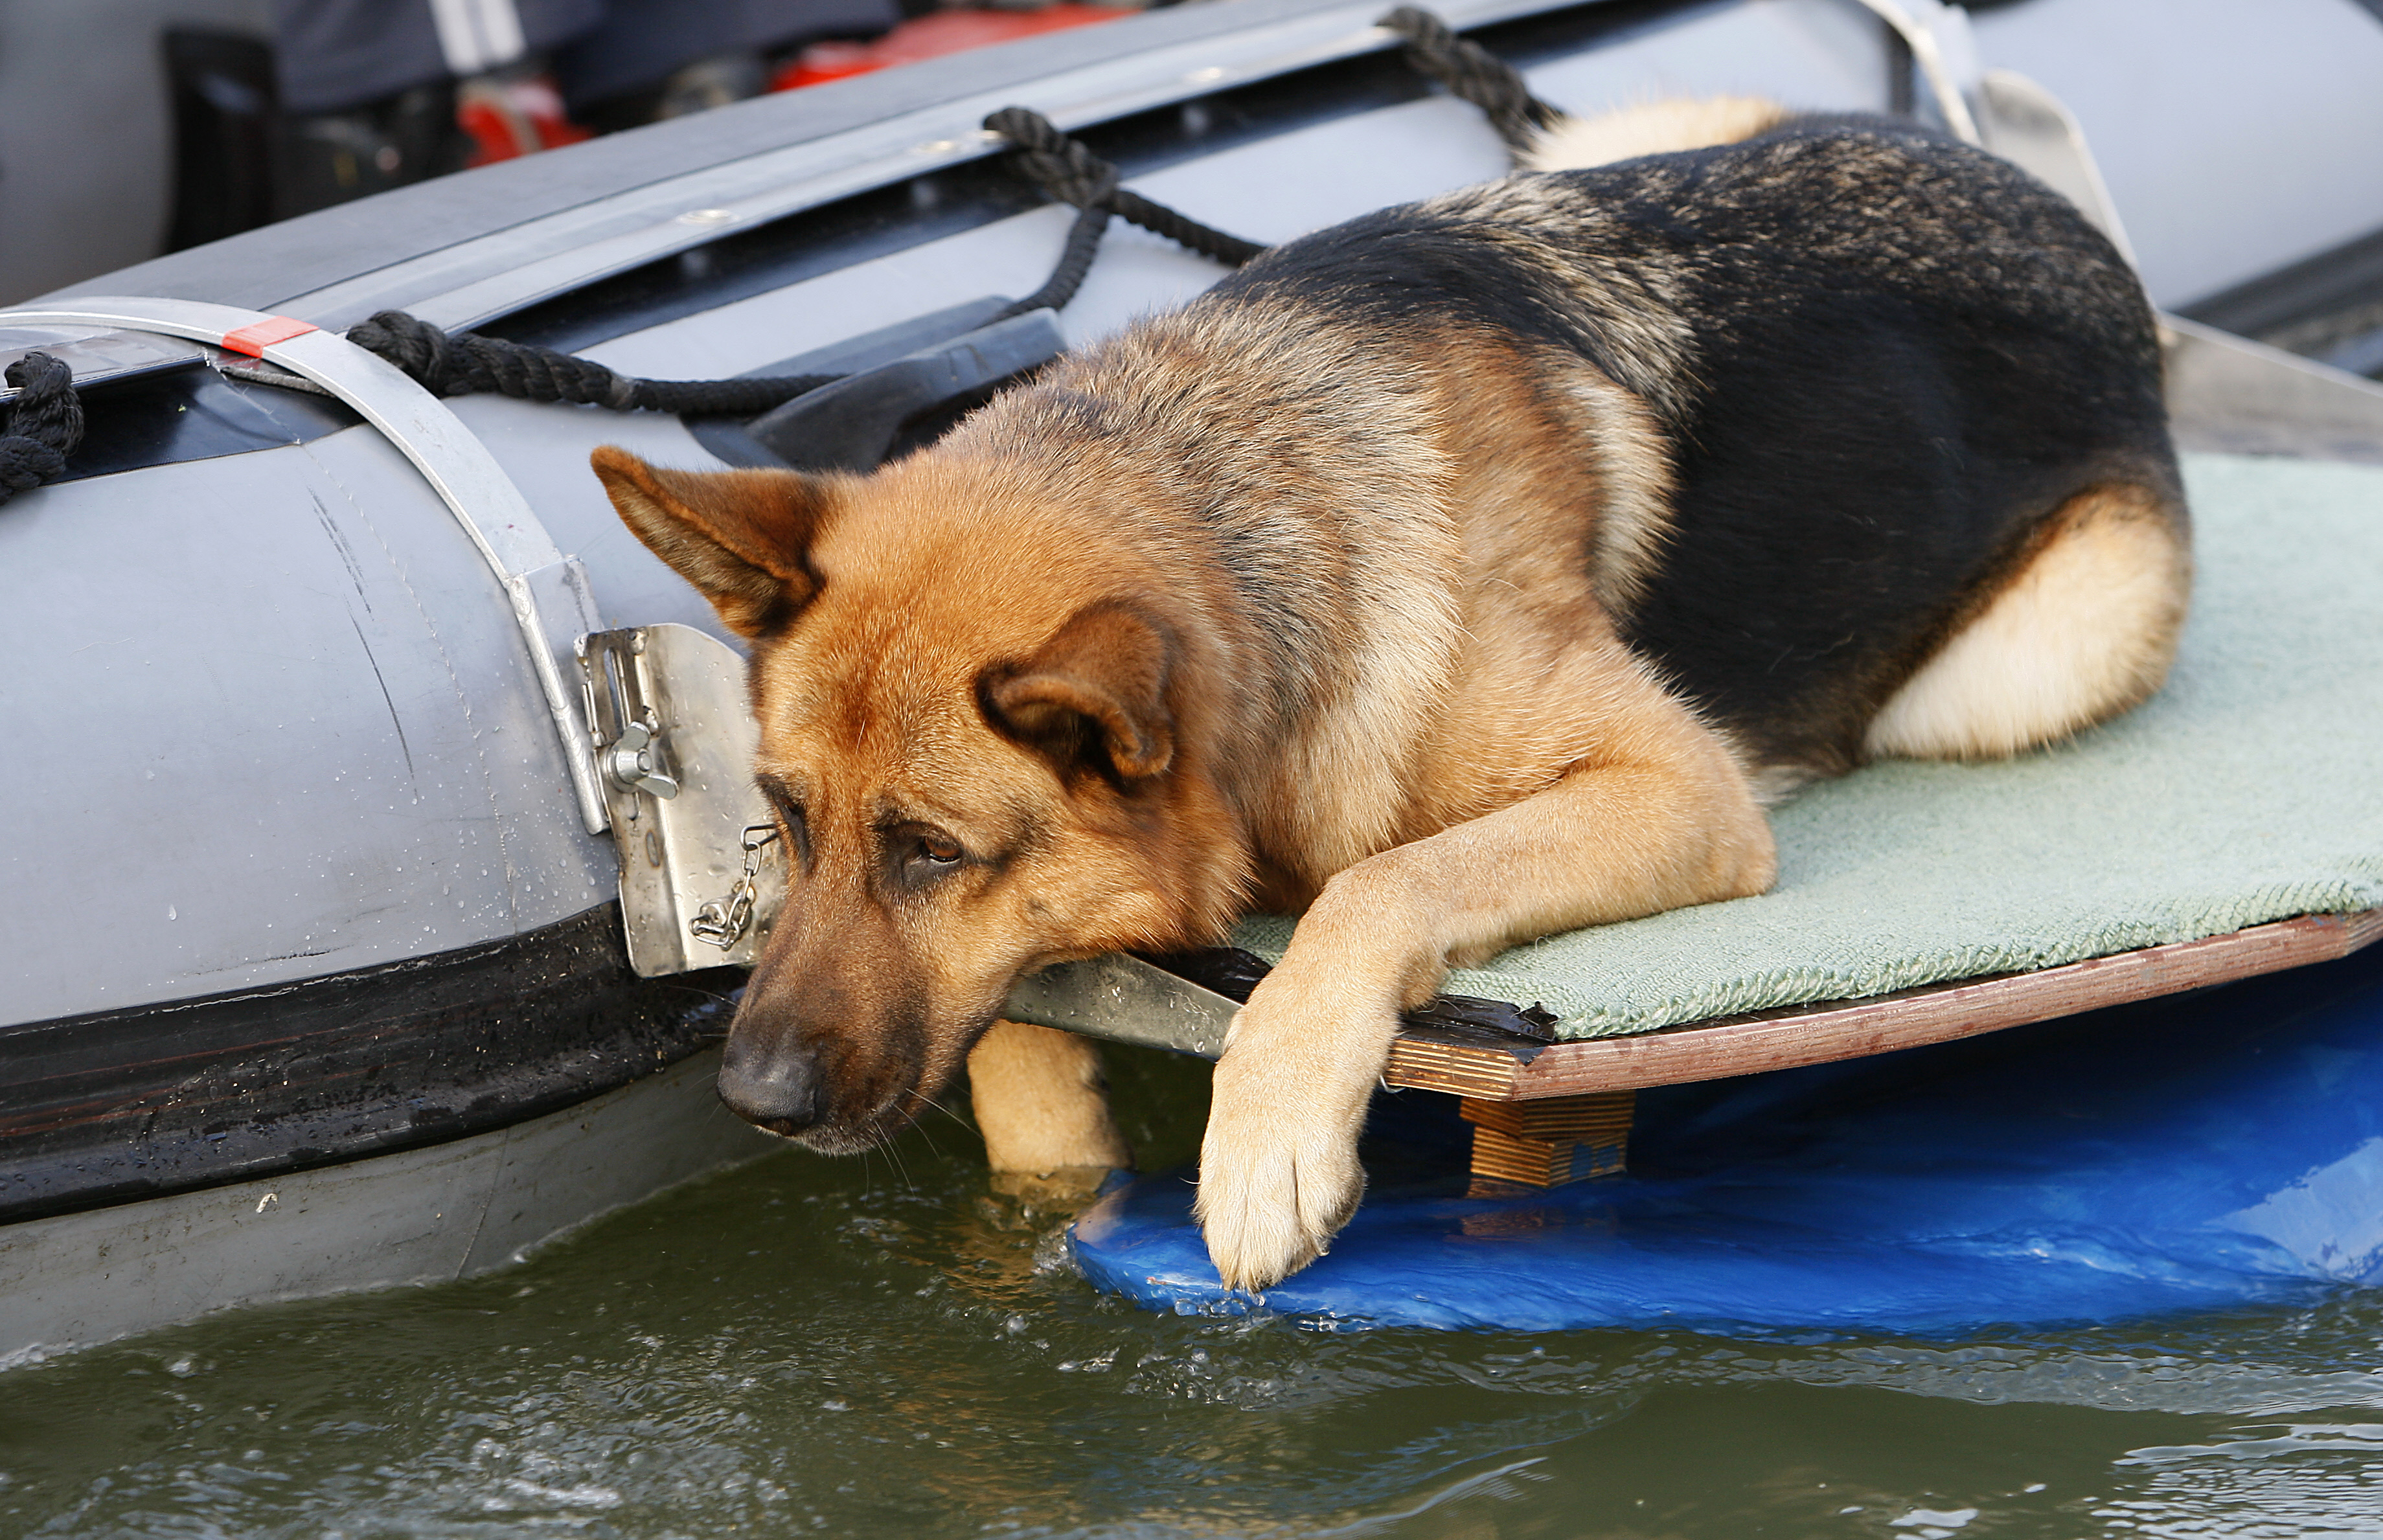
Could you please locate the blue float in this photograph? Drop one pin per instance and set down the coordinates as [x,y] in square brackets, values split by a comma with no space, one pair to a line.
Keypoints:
[2202,1152]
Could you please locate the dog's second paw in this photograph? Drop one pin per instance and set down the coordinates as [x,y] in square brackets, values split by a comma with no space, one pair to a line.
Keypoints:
[1279,1172]
[1270,1204]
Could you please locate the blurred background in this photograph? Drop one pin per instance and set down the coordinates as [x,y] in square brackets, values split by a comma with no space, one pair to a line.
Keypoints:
[133,127]
[129,128]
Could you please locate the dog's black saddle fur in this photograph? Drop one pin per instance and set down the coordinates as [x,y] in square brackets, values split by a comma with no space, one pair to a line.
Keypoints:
[1878,358]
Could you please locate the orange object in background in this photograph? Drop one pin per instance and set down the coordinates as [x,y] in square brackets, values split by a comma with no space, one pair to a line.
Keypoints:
[931,37]
[509,116]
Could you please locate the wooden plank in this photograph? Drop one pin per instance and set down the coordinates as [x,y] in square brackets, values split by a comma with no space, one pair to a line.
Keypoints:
[1853,1028]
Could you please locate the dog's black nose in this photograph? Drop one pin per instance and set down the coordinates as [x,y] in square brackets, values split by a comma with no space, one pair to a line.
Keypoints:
[776,1087]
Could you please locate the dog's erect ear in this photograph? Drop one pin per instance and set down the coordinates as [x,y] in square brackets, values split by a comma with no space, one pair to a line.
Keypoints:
[738,536]
[1095,693]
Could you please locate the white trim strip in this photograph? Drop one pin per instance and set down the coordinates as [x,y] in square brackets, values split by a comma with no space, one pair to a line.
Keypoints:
[477,35]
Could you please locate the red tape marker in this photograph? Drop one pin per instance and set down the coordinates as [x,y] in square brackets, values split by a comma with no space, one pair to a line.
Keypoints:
[254,339]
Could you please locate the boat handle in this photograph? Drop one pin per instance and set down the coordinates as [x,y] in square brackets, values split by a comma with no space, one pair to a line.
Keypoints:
[851,425]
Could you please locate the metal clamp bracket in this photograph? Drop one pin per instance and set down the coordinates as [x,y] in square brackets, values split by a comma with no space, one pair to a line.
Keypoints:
[551,601]
[702,870]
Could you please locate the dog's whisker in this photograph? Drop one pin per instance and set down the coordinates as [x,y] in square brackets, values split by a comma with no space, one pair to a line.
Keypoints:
[927,1134]
[931,1101]
[901,1166]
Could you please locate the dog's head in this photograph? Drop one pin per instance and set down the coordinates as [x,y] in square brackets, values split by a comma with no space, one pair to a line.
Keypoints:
[973,724]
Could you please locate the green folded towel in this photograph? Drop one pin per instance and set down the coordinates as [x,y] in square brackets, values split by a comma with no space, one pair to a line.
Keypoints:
[2250,788]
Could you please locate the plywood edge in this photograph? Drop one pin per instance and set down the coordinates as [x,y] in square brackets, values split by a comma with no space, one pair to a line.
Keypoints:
[1853,1028]
[1463,1069]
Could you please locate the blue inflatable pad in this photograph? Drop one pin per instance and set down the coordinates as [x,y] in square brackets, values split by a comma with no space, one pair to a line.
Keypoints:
[2206,1151]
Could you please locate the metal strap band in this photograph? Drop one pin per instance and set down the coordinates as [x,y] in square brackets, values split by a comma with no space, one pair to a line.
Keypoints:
[1932,30]
[550,598]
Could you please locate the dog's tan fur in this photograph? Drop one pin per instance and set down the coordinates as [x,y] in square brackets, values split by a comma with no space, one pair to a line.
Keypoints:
[2085,629]
[1251,606]
[1042,1107]
[1650,128]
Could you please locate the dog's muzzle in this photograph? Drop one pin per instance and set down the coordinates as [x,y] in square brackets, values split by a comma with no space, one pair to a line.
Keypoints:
[777,1089]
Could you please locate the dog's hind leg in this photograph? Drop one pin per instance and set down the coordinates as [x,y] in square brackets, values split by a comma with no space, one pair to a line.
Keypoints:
[1043,1106]
[2084,629]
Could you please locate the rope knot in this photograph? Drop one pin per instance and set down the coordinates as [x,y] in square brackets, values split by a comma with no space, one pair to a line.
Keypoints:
[44,428]
[1061,167]
[458,364]
[450,364]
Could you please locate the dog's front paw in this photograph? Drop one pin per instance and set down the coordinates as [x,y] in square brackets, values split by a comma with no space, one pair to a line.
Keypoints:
[1279,1172]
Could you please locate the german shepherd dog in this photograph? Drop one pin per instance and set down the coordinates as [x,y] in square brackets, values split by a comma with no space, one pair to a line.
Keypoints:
[1474,570]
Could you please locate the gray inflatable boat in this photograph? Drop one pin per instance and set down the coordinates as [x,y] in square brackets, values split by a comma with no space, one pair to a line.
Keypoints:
[385,864]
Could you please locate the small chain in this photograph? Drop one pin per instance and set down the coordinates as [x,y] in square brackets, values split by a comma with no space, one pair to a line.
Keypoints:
[724,922]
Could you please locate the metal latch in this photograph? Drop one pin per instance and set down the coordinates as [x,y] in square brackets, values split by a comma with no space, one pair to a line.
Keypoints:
[701,871]
[632,761]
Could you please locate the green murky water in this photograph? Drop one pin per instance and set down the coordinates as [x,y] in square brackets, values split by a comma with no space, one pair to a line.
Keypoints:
[879,1346]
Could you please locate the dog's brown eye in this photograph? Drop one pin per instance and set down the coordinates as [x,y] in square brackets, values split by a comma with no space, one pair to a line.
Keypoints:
[797,826]
[923,857]
[919,855]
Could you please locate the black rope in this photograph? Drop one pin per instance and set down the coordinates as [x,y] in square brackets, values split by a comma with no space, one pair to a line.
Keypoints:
[1062,167]
[1068,171]
[456,363]
[1157,218]
[44,427]
[1473,74]
[1075,261]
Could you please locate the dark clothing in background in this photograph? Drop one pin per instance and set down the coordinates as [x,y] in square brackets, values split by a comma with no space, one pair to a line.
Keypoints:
[334,55]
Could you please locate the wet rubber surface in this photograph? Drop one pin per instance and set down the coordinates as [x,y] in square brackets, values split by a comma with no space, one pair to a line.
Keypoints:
[879,1347]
